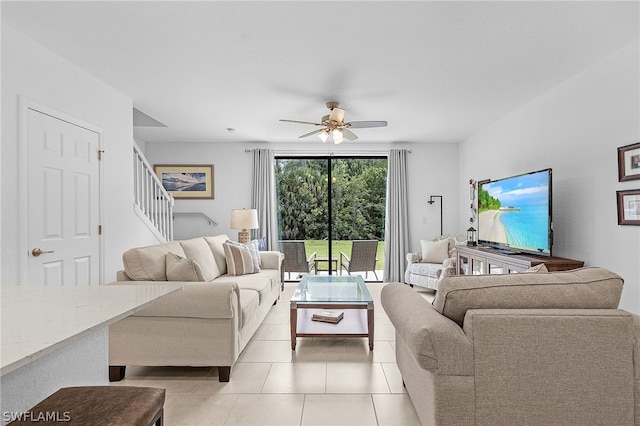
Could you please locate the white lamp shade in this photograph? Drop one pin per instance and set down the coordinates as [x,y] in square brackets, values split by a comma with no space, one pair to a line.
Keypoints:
[244,219]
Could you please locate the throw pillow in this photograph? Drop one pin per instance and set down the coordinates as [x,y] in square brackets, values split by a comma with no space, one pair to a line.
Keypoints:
[240,260]
[254,249]
[198,250]
[541,269]
[215,244]
[148,263]
[434,251]
[183,269]
[262,243]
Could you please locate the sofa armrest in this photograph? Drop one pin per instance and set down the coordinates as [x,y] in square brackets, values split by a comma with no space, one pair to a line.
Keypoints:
[122,276]
[196,300]
[438,344]
[414,257]
[271,259]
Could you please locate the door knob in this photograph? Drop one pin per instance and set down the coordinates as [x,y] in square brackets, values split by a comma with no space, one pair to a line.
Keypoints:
[37,252]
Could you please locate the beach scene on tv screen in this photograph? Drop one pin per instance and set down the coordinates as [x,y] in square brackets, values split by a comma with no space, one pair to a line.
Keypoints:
[515,211]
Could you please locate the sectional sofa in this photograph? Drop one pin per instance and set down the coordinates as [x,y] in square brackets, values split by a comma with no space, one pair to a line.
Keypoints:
[210,321]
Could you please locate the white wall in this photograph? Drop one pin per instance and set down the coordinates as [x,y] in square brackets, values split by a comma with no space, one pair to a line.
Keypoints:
[574,129]
[432,170]
[32,71]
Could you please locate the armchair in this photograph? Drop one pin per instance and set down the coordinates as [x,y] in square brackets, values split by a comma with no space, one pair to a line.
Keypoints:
[436,261]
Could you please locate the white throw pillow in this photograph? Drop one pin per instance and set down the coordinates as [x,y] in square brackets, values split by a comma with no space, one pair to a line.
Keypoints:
[434,251]
[215,244]
[183,269]
[148,263]
[198,250]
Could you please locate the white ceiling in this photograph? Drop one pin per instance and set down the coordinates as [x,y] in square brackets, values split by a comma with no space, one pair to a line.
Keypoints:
[436,71]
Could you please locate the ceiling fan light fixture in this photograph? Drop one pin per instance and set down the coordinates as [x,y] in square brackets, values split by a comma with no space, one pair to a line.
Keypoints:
[338,137]
[324,135]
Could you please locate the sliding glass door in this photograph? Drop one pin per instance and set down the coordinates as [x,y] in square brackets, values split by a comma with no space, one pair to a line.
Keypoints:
[331,214]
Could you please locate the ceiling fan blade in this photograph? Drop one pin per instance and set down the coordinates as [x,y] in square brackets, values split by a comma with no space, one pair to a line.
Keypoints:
[348,134]
[301,122]
[364,124]
[337,114]
[315,132]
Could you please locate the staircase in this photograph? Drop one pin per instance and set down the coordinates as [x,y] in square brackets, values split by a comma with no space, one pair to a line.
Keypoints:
[153,204]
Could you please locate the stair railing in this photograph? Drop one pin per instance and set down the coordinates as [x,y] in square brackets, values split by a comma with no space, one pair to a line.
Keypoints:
[152,201]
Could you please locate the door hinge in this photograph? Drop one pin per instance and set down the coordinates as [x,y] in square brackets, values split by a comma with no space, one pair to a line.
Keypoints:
[100,152]
[99,229]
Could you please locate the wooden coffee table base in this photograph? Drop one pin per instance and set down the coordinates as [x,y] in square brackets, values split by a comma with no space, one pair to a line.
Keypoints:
[354,324]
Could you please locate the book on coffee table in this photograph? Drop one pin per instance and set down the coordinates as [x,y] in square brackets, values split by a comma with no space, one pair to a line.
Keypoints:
[328,316]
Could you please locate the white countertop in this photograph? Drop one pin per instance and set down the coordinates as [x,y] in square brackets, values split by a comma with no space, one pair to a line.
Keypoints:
[38,320]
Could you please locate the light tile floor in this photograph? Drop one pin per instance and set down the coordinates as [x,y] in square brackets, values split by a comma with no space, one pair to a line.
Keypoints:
[325,381]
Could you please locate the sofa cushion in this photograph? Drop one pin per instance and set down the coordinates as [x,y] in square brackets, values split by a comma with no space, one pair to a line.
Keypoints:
[183,269]
[254,249]
[434,251]
[584,288]
[426,269]
[148,263]
[240,261]
[249,302]
[198,250]
[215,244]
[195,300]
[262,282]
[539,269]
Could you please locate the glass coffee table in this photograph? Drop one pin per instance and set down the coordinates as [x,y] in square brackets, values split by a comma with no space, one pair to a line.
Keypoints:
[347,294]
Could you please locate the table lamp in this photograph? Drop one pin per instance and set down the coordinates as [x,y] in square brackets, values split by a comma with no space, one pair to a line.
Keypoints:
[244,219]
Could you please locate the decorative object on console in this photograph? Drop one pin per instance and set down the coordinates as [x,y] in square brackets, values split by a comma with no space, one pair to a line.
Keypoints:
[471,236]
[192,181]
[244,219]
[431,201]
[472,198]
[629,162]
[628,207]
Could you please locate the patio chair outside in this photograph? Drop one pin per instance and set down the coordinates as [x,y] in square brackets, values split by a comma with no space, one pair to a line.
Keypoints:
[295,257]
[363,258]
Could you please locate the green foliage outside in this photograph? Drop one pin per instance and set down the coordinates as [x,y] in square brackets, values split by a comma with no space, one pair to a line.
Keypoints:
[322,249]
[486,201]
[358,197]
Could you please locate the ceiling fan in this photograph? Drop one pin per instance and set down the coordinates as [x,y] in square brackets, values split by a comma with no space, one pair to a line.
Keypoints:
[333,125]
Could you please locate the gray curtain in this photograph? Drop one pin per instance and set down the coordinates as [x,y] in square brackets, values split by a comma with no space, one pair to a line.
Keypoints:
[263,197]
[396,240]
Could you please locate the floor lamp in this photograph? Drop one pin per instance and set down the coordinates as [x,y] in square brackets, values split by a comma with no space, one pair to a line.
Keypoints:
[431,201]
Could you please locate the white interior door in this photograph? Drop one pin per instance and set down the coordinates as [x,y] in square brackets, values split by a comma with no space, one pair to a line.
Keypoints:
[63,202]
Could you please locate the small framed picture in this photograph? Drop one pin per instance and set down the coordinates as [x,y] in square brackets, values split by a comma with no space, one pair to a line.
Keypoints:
[629,162]
[629,207]
[189,181]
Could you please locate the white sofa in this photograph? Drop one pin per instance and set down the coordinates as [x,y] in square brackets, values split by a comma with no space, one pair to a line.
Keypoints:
[429,266]
[207,323]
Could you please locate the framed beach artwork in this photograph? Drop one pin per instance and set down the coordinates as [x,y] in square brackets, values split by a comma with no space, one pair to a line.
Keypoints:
[629,207]
[629,162]
[189,181]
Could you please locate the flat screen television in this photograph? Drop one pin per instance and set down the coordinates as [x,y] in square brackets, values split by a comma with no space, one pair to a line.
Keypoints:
[514,213]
